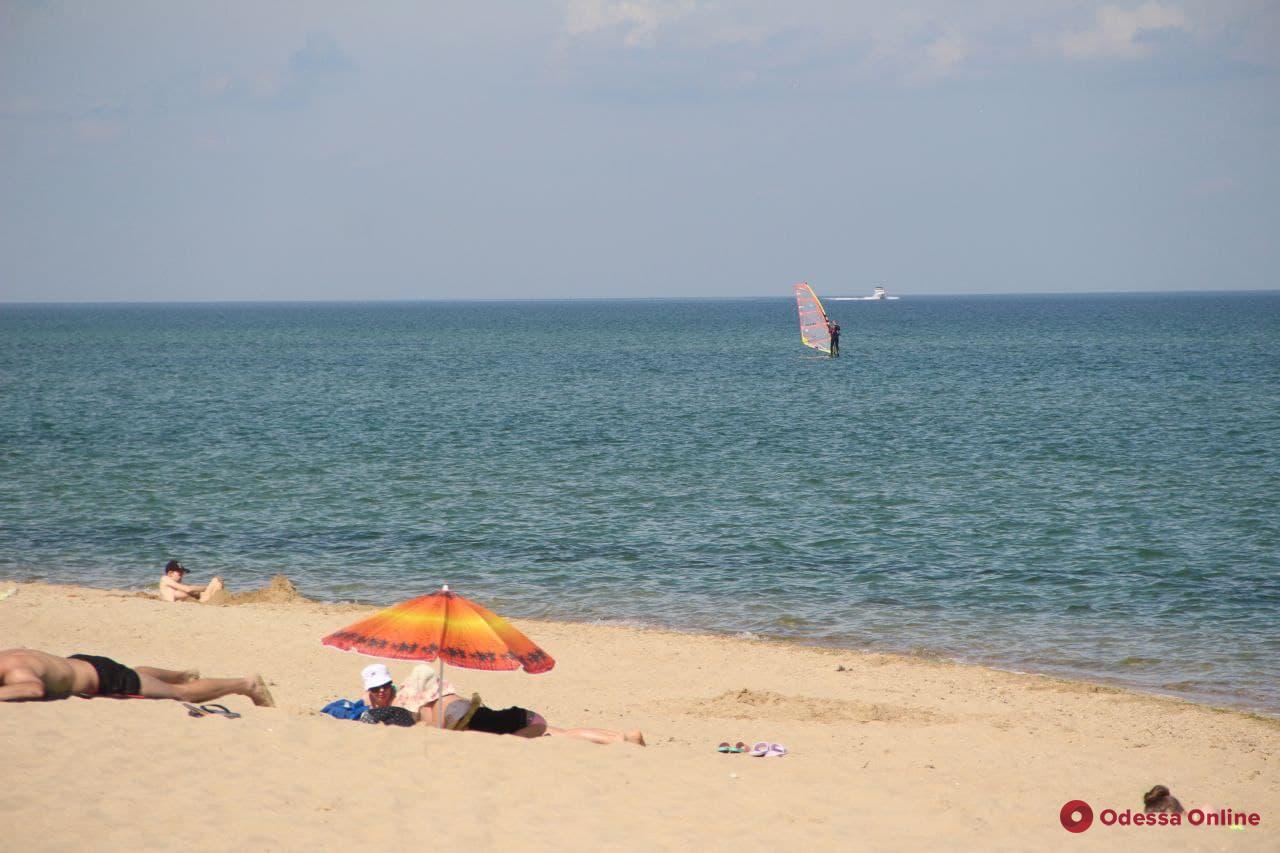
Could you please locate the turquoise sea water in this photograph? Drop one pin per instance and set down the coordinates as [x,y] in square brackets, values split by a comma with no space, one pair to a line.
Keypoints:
[1080,485]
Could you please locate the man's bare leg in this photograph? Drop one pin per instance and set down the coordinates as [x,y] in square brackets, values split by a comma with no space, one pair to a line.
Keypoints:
[601,736]
[214,587]
[169,676]
[206,689]
[261,696]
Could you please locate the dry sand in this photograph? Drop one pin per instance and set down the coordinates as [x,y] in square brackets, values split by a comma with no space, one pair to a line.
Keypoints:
[886,752]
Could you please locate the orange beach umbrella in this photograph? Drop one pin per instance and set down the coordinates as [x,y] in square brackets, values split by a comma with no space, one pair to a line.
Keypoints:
[443,626]
[447,626]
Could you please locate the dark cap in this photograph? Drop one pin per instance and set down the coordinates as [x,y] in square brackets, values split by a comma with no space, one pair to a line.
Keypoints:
[174,566]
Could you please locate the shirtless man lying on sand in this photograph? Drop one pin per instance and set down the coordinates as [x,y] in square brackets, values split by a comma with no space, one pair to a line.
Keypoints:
[173,589]
[29,674]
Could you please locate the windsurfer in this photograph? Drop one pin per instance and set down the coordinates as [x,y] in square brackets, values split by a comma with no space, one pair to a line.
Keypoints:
[834,330]
[815,326]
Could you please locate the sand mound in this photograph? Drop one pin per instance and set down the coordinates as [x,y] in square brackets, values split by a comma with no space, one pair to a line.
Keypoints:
[280,590]
[748,704]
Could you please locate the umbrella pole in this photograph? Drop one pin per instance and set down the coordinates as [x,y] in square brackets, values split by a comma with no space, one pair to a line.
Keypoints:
[444,589]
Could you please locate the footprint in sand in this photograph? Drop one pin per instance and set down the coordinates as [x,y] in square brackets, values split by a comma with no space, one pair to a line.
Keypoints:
[749,704]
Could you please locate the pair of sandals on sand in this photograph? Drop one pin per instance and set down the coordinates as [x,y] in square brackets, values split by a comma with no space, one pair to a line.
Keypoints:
[212,709]
[762,749]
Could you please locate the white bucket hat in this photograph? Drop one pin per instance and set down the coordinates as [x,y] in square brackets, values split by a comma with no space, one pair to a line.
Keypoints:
[375,675]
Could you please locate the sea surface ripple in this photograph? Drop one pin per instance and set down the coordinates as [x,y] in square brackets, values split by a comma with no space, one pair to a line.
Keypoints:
[1076,485]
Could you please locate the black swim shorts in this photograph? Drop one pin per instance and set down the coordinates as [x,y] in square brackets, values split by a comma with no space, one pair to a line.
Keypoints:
[504,722]
[114,679]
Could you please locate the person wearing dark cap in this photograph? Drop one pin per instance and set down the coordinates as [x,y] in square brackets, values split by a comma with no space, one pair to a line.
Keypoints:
[173,589]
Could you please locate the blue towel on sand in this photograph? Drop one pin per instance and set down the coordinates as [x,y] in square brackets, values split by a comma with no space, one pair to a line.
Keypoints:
[345,709]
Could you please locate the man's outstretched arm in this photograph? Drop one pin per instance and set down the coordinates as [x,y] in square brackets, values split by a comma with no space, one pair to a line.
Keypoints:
[22,690]
[181,587]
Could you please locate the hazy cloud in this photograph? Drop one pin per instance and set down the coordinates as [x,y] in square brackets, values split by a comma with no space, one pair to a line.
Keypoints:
[919,40]
[306,72]
[946,53]
[216,85]
[320,55]
[637,20]
[1120,32]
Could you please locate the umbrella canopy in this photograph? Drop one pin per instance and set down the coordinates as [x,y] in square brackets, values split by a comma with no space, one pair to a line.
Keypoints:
[447,626]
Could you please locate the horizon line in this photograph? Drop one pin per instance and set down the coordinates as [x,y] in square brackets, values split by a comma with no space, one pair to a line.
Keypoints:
[685,298]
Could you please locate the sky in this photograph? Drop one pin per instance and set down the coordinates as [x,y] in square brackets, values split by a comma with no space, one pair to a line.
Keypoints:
[175,151]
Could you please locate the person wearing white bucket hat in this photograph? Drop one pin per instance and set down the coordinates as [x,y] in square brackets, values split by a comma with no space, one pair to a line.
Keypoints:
[375,675]
[379,690]
[421,697]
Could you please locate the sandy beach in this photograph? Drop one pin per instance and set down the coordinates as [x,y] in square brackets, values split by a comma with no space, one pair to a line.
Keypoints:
[885,752]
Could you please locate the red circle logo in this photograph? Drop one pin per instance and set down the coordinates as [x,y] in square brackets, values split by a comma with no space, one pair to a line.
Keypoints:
[1068,816]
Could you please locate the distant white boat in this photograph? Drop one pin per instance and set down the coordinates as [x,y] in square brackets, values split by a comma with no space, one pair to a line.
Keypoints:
[877,295]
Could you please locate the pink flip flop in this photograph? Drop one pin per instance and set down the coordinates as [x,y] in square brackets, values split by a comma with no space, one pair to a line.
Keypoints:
[760,750]
[776,750]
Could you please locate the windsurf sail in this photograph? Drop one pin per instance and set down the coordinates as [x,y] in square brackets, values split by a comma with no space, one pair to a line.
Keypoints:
[813,319]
